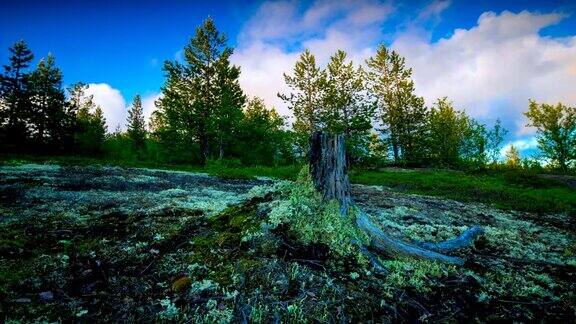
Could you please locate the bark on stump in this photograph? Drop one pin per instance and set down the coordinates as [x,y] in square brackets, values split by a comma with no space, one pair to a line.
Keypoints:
[329,174]
[328,168]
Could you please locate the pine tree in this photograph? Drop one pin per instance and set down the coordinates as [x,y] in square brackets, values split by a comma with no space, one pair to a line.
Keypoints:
[556,127]
[15,108]
[262,139]
[307,84]
[378,150]
[98,128]
[446,133]
[49,119]
[136,125]
[228,112]
[345,109]
[90,124]
[512,157]
[495,138]
[196,91]
[401,112]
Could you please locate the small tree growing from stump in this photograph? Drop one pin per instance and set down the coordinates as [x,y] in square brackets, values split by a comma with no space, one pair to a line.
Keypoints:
[329,174]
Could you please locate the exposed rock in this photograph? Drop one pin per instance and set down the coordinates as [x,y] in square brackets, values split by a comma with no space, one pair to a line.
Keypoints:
[46,296]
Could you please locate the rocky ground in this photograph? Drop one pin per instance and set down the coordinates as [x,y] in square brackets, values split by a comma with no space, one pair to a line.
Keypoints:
[114,244]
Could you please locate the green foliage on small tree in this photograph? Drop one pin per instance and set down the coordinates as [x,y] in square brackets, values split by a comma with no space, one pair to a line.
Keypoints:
[90,122]
[473,150]
[556,129]
[262,139]
[307,85]
[513,157]
[345,108]
[401,112]
[136,126]
[495,138]
[455,139]
[446,133]
[201,96]
[49,119]
[377,151]
[15,103]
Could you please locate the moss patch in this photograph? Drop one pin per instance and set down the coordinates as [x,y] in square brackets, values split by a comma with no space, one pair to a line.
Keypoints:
[149,246]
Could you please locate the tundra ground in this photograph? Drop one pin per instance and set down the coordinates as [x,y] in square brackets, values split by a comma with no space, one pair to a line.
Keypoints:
[118,244]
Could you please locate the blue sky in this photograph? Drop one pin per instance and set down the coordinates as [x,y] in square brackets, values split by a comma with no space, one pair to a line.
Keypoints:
[490,57]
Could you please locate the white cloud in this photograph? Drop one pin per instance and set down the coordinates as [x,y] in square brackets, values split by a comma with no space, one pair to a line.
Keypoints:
[521,145]
[273,38]
[114,105]
[493,68]
[434,9]
[262,72]
[149,105]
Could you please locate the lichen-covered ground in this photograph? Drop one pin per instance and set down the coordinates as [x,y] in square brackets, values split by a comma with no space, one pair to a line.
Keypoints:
[113,244]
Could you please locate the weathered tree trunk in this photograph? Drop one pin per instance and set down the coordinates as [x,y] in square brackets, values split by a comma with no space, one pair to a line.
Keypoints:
[330,177]
[328,168]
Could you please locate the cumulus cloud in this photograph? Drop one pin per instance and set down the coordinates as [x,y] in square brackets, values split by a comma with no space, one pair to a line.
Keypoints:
[524,146]
[490,69]
[149,105]
[262,67]
[114,105]
[273,38]
[493,68]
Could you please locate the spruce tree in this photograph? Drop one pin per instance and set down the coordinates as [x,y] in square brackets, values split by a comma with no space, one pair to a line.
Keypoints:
[98,128]
[90,124]
[15,109]
[230,99]
[198,89]
[136,126]
[48,118]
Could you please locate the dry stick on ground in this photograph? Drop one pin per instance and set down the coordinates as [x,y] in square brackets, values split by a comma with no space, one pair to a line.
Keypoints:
[330,177]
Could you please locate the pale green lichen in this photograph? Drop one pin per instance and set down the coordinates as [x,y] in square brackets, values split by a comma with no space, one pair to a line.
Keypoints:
[415,274]
[312,219]
[169,311]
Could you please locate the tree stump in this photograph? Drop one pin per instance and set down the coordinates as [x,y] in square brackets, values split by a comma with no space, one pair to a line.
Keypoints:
[330,176]
[328,168]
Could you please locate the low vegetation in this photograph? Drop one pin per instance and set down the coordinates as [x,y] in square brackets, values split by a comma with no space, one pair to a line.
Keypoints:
[109,243]
[509,190]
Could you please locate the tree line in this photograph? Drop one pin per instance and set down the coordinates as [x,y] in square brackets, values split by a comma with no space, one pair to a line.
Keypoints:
[203,115]
[36,114]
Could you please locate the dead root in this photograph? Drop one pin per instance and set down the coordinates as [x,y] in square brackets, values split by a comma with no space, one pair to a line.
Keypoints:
[384,243]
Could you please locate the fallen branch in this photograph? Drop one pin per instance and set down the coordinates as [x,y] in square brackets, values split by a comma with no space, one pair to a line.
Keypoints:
[464,240]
